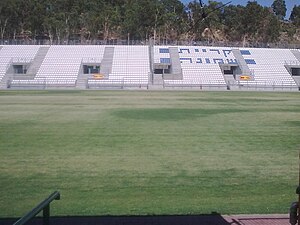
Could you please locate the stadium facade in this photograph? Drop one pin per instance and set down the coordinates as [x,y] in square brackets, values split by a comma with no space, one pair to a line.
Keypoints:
[148,67]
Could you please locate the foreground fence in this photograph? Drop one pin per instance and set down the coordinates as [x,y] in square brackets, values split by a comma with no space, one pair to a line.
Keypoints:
[43,206]
[147,42]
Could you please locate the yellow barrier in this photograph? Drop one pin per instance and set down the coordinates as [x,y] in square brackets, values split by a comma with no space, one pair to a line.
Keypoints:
[98,76]
[245,77]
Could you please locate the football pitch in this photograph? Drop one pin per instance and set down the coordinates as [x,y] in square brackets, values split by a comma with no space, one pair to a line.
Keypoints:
[145,153]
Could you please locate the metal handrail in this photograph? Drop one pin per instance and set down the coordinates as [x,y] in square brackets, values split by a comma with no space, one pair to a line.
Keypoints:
[44,205]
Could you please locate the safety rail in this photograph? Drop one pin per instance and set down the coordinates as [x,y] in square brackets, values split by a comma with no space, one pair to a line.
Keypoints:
[241,44]
[43,206]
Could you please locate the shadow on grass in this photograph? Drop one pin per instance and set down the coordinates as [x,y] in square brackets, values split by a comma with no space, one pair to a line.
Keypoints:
[204,219]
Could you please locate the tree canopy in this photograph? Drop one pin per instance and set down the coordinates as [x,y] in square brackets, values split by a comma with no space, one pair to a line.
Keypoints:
[295,15]
[279,8]
[64,20]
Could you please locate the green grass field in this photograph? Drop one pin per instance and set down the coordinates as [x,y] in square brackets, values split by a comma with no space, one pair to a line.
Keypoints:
[130,152]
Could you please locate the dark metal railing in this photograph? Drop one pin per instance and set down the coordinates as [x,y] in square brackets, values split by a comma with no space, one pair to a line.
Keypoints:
[43,206]
[146,42]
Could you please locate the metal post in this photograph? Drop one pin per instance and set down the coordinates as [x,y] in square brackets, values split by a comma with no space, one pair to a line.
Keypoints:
[46,215]
[298,191]
[44,205]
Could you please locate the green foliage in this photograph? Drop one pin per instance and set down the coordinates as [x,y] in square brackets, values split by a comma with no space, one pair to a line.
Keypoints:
[232,19]
[195,18]
[148,152]
[254,13]
[165,19]
[295,15]
[272,29]
[279,8]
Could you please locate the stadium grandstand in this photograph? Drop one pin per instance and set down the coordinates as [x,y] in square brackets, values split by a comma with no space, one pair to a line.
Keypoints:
[148,67]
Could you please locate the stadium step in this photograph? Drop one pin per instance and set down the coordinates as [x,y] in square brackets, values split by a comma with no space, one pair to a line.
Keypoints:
[106,64]
[296,54]
[230,81]
[105,69]
[38,60]
[155,87]
[176,65]
[241,62]
[33,68]
[295,64]
[151,62]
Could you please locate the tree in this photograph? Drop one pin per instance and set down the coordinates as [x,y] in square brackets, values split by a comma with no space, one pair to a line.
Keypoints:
[251,20]
[7,15]
[270,27]
[36,18]
[213,19]
[173,19]
[279,8]
[295,15]
[195,18]
[146,14]
[232,19]
[130,19]
[108,17]
[64,20]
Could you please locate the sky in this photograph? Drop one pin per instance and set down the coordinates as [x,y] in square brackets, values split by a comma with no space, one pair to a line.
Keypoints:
[289,3]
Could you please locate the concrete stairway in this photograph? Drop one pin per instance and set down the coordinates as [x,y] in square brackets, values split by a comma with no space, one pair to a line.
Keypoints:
[175,62]
[37,61]
[158,79]
[230,81]
[241,62]
[4,82]
[105,68]
[151,63]
[106,63]
[296,54]
[7,76]
[81,82]
[297,64]
[31,72]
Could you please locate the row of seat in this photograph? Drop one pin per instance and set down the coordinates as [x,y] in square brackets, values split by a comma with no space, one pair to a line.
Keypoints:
[132,62]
